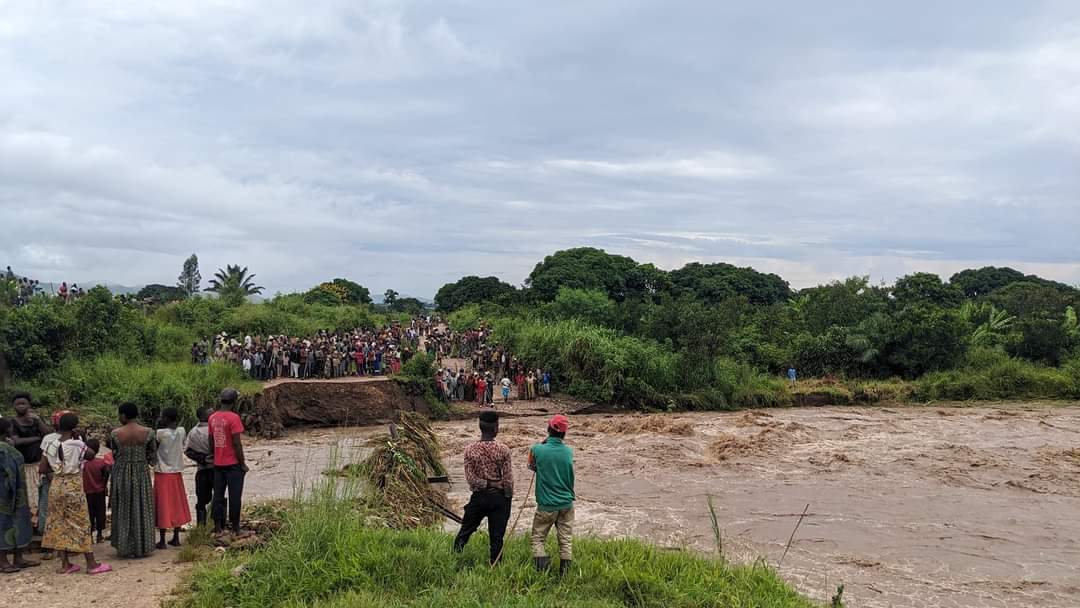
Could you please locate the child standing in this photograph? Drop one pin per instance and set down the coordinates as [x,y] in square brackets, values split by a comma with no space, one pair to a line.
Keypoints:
[170,497]
[67,530]
[200,448]
[95,476]
[505,389]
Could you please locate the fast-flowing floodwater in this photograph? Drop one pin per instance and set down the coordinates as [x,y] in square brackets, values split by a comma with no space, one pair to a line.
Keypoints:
[919,506]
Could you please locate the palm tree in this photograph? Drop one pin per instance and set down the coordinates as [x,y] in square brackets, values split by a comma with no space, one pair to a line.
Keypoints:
[234,284]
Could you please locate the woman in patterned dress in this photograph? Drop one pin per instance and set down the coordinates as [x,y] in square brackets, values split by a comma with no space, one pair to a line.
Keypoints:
[15,526]
[67,529]
[132,494]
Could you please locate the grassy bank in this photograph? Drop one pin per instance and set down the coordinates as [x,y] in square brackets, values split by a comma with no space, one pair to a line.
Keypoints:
[95,387]
[603,365]
[327,557]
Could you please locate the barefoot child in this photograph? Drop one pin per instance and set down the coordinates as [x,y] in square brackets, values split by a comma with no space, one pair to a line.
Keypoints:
[170,497]
[67,529]
[95,476]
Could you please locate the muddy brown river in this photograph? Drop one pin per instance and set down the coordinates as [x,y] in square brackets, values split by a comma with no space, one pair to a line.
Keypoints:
[950,507]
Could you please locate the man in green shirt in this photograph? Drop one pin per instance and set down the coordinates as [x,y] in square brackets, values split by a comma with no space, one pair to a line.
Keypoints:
[553,462]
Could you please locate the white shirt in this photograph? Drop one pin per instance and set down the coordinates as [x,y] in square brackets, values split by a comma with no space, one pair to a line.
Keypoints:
[73,449]
[170,451]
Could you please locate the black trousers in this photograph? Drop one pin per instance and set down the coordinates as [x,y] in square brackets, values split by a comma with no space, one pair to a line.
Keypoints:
[96,505]
[204,493]
[493,505]
[229,478]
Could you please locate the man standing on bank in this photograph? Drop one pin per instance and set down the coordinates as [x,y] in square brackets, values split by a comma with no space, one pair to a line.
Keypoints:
[491,480]
[229,466]
[553,462]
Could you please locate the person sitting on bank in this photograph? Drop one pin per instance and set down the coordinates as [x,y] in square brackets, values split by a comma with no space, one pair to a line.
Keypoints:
[553,462]
[491,480]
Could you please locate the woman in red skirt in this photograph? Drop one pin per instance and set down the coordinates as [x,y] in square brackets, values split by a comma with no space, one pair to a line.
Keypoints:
[170,498]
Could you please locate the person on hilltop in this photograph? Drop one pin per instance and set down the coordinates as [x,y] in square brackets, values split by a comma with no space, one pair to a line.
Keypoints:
[26,434]
[170,498]
[553,462]
[230,467]
[16,529]
[67,530]
[131,493]
[490,476]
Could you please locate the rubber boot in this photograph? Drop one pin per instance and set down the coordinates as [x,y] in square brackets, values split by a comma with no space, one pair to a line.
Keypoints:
[542,563]
[564,566]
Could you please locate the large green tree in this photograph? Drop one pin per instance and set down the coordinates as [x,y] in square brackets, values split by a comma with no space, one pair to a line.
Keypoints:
[712,283]
[233,284]
[338,291]
[189,278]
[472,290]
[581,268]
[159,294]
[926,288]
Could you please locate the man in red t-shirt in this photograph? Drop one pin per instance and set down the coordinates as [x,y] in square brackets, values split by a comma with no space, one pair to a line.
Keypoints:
[229,467]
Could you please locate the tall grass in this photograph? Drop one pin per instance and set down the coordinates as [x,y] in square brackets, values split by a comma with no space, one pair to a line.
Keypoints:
[95,387]
[326,556]
[992,374]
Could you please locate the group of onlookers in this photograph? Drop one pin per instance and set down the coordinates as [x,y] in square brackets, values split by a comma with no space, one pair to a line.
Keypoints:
[60,484]
[26,288]
[359,352]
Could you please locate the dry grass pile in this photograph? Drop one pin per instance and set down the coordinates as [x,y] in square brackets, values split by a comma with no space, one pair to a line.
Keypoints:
[636,425]
[397,472]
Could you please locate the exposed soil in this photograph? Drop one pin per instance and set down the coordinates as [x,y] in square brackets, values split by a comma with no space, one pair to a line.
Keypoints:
[328,403]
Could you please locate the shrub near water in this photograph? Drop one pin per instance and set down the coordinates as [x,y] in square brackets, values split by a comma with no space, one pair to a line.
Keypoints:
[326,557]
[992,374]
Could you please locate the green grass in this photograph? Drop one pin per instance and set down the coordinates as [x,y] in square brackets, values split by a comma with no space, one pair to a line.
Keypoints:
[326,557]
[94,388]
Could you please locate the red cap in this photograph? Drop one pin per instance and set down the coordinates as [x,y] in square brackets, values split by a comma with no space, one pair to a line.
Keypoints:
[56,417]
[559,423]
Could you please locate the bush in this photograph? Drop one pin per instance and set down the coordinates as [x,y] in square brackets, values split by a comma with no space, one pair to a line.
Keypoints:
[95,387]
[992,374]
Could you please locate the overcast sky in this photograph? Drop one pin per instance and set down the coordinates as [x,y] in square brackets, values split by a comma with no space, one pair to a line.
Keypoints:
[407,144]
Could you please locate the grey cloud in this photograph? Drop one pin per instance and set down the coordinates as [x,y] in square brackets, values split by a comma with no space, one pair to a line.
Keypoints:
[406,144]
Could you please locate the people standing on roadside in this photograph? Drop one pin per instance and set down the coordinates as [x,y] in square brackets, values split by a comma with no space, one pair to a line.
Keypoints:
[505,382]
[131,493]
[16,529]
[95,483]
[27,431]
[229,465]
[199,447]
[170,498]
[481,390]
[67,530]
[553,462]
[490,476]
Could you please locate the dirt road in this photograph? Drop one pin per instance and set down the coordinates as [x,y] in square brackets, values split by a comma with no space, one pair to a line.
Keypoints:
[950,507]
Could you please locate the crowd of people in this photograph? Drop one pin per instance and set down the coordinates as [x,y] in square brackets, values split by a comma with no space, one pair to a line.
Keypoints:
[59,484]
[25,288]
[360,352]
[493,371]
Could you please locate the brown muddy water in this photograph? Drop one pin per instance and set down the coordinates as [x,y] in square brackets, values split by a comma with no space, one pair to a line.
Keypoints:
[951,507]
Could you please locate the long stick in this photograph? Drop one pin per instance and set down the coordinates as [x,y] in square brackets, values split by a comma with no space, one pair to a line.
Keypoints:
[516,519]
[792,537]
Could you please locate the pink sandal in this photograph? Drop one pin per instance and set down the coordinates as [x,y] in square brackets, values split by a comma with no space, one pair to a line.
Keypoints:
[101,569]
[72,569]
